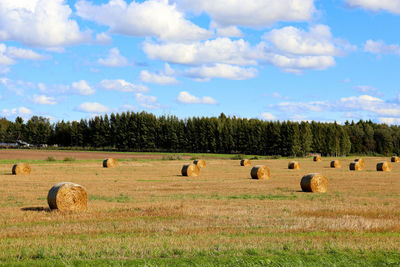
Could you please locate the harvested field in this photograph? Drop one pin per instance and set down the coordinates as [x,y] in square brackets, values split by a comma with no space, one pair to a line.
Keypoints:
[147,210]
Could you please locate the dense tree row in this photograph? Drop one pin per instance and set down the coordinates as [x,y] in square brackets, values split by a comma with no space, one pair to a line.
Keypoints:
[131,131]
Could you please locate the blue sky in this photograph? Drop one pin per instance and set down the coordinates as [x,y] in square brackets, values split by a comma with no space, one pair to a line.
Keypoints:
[332,60]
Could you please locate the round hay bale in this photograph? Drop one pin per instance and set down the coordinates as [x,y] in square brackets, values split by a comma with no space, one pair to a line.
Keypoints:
[356,166]
[190,170]
[109,163]
[260,172]
[200,163]
[361,161]
[395,159]
[317,158]
[336,164]
[67,196]
[21,168]
[245,162]
[294,165]
[314,182]
[384,166]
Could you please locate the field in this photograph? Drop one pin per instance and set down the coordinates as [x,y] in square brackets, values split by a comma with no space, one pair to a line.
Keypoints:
[145,213]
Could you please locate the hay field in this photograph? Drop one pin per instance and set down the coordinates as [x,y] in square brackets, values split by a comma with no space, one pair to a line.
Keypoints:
[146,213]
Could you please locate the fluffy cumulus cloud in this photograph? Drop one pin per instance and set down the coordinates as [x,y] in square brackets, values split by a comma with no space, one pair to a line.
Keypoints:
[82,88]
[164,77]
[141,19]
[253,13]
[220,50]
[205,73]
[392,6]
[9,55]
[268,116]
[92,107]
[44,100]
[122,86]
[294,49]
[114,59]
[380,47]
[186,98]
[21,111]
[147,101]
[41,23]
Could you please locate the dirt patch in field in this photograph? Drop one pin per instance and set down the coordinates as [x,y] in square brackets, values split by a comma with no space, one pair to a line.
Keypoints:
[80,155]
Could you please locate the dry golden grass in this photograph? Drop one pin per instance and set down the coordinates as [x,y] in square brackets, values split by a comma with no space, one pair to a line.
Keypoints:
[143,207]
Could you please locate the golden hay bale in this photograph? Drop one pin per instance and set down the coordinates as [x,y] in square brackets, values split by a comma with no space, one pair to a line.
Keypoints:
[395,159]
[21,168]
[260,172]
[314,182]
[200,163]
[109,163]
[190,170]
[245,162]
[361,161]
[356,166]
[317,158]
[336,164]
[67,197]
[384,166]
[294,165]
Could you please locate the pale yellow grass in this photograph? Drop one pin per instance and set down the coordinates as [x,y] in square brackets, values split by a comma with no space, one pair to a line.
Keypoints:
[141,208]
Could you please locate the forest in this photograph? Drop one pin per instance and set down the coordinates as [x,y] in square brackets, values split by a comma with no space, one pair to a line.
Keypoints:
[145,132]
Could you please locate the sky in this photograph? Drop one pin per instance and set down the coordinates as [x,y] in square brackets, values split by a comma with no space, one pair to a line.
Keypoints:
[299,60]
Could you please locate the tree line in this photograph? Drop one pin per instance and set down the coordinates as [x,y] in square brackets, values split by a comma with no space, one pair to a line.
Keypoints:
[134,131]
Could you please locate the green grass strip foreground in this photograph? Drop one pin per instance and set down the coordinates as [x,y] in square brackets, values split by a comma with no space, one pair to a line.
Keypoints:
[273,258]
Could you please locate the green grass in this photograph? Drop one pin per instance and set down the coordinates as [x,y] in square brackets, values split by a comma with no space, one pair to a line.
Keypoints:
[119,199]
[248,257]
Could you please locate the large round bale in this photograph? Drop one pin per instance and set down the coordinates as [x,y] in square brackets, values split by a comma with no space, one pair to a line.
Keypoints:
[21,168]
[361,161]
[384,166]
[294,165]
[356,166]
[200,163]
[109,163]
[245,162]
[190,170]
[67,196]
[395,159]
[314,182]
[336,164]
[317,158]
[260,172]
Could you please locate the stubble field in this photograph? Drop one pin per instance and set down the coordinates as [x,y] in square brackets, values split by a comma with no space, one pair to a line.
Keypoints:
[145,213]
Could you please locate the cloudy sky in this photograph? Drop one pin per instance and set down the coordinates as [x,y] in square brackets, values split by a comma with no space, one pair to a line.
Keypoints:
[269,59]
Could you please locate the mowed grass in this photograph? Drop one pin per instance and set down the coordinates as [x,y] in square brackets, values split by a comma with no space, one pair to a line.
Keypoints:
[146,213]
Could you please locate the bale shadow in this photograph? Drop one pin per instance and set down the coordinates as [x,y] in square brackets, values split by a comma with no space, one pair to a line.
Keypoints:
[38,209]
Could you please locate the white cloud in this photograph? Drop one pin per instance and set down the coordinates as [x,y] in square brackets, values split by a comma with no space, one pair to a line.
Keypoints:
[390,121]
[44,100]
[127,107]
[122,86]
[379,47]
[187,98]
[268,116]
[220,50]
[103,38]
[225,71]
[294,50]
[24,54]
[92,107]
[114,59]
[147,101]
[150,18]
[21,111]
[40,23]
[226,31]
[367,89]
[82,88]
[162,77]
[392,6]
[255,13]
[300,107]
